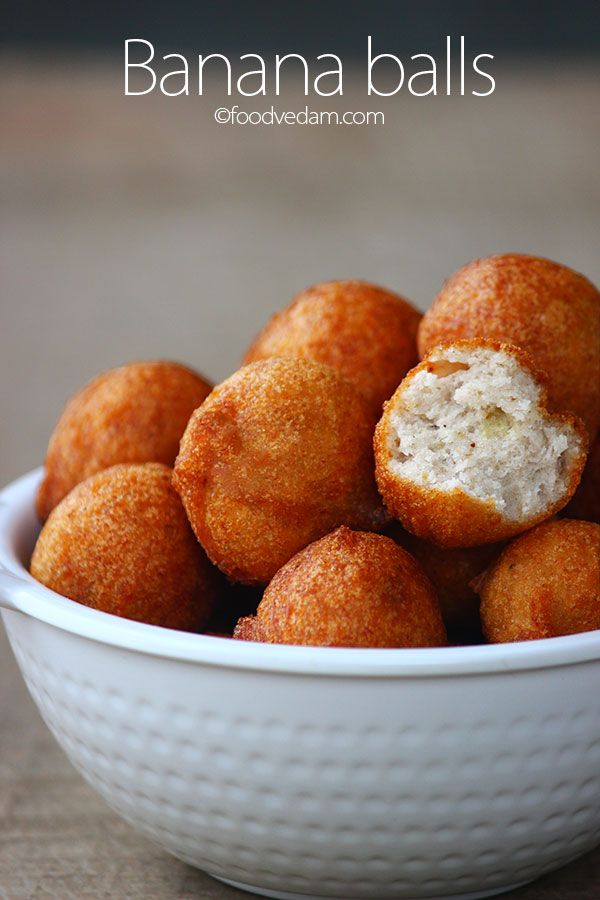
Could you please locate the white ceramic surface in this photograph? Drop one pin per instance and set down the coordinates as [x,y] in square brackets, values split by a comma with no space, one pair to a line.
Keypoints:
[298,771]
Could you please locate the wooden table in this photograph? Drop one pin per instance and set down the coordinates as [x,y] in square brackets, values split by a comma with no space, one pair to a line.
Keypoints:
[137,227]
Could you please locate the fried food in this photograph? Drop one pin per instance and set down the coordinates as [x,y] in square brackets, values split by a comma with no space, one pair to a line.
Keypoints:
[545,308]
[466,452]
[133,414]
[545,583]
[451,572]
[366,333]
[120,542]
[277,456]
[586,499]
[348,589]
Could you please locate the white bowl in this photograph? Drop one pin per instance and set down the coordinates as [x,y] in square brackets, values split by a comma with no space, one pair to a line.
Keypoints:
[295,771]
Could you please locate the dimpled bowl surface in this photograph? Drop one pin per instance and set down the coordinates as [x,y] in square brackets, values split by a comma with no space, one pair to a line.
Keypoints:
[295,771]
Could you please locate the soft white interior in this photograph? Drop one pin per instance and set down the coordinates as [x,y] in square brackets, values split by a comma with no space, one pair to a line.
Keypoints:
[473,423]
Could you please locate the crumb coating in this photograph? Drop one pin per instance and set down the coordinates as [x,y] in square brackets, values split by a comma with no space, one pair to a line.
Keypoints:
[545,308]
[277,456]
[365,332]
[132,414]
[348,589]
[120,542]
[546,583]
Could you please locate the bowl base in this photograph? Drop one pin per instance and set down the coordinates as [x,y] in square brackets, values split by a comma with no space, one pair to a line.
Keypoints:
[287,895]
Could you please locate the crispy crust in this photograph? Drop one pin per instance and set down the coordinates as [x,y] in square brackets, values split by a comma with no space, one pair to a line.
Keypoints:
[545,583]
[277,456]
[250,628]
[453,518]
[120,542]
[549,310]
[365,332]
[348,589]
[133,414]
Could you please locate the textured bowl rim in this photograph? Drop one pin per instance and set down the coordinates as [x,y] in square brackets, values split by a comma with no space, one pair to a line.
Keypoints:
[24,595]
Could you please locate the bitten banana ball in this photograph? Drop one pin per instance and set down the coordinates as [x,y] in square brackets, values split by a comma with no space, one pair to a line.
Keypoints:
[467,452]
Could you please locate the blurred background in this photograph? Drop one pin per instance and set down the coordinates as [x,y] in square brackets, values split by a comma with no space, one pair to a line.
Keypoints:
[136,227]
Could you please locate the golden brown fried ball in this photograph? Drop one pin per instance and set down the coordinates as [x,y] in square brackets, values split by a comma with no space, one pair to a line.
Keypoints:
[451,573]
[547,309]
[120,542]
[544,584]
[278,455]
[366,333]
[349,589]
[466,452]
[133,414]
[586,499]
